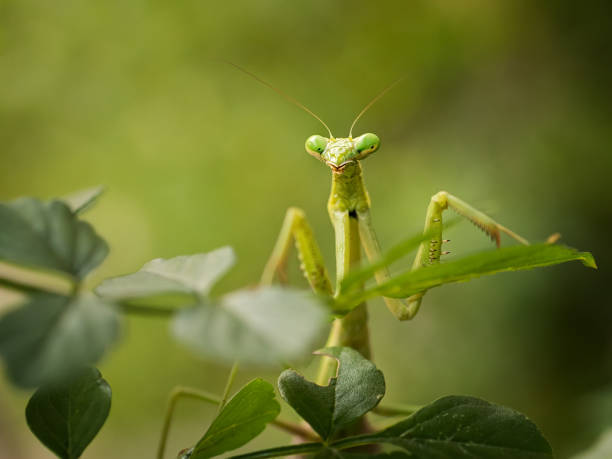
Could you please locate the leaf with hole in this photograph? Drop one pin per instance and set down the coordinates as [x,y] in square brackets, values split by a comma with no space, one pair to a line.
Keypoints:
[66,416]
[357,388]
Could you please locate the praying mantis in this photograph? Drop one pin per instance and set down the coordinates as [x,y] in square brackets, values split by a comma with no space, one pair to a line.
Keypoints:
[349,208]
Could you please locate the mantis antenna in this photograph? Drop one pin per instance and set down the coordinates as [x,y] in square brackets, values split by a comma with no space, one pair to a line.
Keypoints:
[372,102]
[281,93]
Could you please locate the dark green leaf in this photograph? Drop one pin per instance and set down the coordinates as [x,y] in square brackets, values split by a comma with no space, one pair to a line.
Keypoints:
[67,416]
[449,428]
[462,427]
[189,274]
[262,326]
[52,335]
[357,388]
[48,235]
[82,200]
[243,418]
[489,262]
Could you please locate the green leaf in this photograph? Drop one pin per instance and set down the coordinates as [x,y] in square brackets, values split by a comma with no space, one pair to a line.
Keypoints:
[451,427]
[48,235]
[243,418]
[261,326]
[489,262]
[82,200]
[462,427]
[66,416]
[356,277]
[189,274]
[357,388]
[52,335]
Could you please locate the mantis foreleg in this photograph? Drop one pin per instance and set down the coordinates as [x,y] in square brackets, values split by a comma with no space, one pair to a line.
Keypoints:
[429,251]
[296,227]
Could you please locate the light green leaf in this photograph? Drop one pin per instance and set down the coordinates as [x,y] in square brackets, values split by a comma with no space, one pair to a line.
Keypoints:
[357,388]
[66,416]
[40,234]
[243,418]
[356,277]
[82,200]
[188,274]
[261,326]
[52,335]
[489,262]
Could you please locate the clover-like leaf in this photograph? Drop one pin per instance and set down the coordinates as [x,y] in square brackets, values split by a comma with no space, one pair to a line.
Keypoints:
[243,418]
[82,200]
[188,274]
[263,326]
[48,235]
[357,388]
[51,336]
[67,415]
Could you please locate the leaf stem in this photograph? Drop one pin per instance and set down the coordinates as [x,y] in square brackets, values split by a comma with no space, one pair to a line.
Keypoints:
[295,429]
[396,410]
[228,386]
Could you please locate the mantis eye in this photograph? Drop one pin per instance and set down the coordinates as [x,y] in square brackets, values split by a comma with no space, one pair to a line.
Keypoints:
[366,144]
[316,144]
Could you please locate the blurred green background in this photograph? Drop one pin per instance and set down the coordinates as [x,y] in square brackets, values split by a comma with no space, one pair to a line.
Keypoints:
[505,104]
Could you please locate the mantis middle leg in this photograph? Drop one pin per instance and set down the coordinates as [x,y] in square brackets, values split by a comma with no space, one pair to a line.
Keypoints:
[429,251]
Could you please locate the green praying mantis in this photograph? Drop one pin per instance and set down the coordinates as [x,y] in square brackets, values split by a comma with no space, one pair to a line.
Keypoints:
[349,210]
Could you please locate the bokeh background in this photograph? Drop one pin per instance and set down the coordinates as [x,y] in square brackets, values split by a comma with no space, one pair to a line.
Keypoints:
[505,104]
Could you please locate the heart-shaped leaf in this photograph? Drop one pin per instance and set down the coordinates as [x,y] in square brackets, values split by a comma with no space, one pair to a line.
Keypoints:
[243,418]
[67,416]
[52,335]
[190,274]
[262,326]
[48,235]
[357,388]
[82,200]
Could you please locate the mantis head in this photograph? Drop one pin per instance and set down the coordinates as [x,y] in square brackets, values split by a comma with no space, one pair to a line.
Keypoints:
[337,153]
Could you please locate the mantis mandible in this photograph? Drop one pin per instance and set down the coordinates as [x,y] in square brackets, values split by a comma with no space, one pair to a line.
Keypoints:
[349,210]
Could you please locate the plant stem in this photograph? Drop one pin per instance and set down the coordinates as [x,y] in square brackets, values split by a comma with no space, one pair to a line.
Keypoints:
[295,429]
[176,393]
[188,392]
[302,448]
